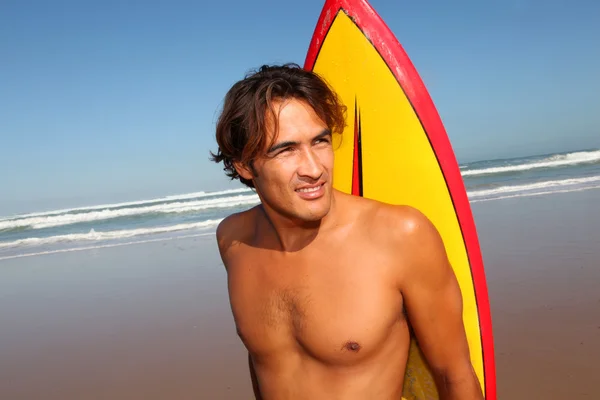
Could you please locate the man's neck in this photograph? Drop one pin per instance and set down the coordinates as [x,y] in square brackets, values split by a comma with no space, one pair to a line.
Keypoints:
[294,235]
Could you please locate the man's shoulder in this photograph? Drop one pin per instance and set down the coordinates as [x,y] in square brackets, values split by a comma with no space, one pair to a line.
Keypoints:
[406,221]
[402,229]
[413,239]
[396,221]
[237,227]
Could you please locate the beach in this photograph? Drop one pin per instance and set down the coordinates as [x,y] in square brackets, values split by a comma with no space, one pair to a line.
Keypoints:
[542,266]
[152,320]
[141,321]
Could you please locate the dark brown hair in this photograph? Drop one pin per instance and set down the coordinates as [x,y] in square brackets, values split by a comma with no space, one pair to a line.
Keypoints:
[241,128]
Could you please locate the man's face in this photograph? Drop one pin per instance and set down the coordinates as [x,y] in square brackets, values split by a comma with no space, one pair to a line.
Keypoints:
[293,177]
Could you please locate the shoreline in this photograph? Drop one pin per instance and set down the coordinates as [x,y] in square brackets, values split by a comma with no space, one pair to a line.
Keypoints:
[105,246]
[169,233]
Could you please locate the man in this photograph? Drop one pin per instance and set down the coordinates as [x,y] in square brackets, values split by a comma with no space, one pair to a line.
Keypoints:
[323,285]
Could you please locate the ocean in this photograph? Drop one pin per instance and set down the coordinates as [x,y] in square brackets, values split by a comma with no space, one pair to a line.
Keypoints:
[199,213]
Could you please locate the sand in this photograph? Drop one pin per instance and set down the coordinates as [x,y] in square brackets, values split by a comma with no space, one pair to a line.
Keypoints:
[152,321]
[543,270]
[148,321]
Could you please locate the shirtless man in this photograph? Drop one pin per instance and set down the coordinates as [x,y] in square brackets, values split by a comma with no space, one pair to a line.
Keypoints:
[323,285]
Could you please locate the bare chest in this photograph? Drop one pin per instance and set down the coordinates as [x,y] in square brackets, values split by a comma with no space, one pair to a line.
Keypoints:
[338,312]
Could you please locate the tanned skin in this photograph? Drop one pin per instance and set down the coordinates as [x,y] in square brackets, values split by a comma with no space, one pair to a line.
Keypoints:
[323,285]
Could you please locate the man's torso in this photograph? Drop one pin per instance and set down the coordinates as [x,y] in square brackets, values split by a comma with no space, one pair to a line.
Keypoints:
[323,322]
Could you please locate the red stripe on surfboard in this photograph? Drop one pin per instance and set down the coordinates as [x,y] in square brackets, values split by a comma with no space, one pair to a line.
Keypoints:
[408,78]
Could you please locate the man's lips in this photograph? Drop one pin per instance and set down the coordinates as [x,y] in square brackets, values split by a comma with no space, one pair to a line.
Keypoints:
[308,189]
[312,191]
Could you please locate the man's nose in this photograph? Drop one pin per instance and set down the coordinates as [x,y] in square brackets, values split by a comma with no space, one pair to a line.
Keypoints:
[310,165]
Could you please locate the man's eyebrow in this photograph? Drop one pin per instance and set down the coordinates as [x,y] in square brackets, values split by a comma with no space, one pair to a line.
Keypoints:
[281,145]
[325,132]
[275,147]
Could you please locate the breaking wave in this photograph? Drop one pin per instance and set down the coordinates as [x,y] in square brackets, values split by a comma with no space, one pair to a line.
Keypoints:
[100,213]
[178,197]
[556,184]
[561,160]
[109,235]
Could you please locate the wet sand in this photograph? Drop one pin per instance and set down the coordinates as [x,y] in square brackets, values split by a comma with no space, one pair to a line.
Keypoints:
[542,258]
[146,321]
[152,320]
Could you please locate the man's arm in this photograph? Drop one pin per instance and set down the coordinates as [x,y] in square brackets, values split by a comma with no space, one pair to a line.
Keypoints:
[255,386]
[433,303]
[224,234]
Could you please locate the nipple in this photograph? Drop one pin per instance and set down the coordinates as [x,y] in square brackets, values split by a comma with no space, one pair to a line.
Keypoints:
[352,346]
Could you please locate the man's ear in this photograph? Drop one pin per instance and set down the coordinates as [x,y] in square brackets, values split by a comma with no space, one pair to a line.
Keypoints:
[243,170]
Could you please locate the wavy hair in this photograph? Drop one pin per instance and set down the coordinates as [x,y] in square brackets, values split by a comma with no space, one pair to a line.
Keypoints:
[241,130]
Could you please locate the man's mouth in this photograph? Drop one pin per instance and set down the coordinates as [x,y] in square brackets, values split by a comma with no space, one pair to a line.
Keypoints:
[311,192]
[310,189]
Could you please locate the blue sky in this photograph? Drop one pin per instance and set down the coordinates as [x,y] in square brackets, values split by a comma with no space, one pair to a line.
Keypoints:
[111,101]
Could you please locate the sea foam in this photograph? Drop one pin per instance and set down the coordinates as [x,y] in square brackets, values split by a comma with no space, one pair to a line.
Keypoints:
[172,198]
[533,186]
[561,160]
[97,214]
[101,246]
[92,235]
[533,194]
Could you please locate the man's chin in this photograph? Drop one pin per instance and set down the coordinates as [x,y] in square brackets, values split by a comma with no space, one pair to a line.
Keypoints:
[317,213]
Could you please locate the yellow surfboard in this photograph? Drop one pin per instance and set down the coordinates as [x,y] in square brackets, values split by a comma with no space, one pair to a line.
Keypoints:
[400,154]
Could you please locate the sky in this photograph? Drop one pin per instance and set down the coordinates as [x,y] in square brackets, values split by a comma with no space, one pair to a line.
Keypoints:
[109,100]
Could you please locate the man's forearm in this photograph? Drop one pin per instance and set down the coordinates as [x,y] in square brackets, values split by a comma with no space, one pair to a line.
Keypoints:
[464,388]
[461,391]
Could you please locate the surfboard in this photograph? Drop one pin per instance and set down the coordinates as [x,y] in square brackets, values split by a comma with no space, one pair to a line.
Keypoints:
[395,150]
